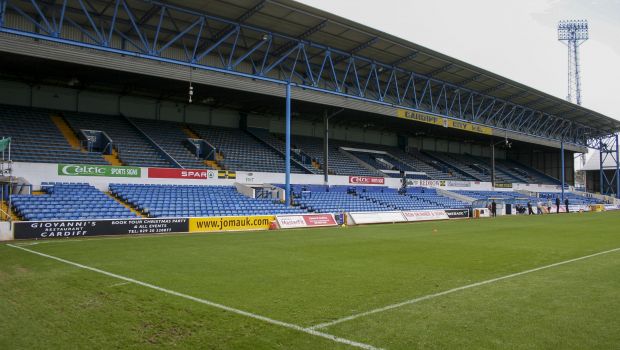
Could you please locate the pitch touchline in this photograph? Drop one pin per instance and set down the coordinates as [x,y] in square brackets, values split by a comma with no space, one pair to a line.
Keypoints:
[207,302]
[450,291]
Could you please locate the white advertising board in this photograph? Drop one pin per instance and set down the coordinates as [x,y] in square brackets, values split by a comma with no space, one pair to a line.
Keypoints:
[425,215]
[377,217]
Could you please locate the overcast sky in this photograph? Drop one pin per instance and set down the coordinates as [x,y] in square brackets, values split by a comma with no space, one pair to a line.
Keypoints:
[516,39]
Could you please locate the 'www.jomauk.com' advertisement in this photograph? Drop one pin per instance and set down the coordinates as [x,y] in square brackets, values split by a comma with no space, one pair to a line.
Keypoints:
[230,223]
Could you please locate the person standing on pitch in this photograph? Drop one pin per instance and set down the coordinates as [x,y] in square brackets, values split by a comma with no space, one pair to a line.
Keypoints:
[494,208]
[549,205]
[539,207]
[566,203]
[557,204]
[529,208]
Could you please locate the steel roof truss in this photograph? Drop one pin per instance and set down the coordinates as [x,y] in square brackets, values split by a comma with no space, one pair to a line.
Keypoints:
[491,118]
[282,59]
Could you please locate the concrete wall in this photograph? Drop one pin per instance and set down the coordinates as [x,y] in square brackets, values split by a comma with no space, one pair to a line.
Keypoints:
[15,93]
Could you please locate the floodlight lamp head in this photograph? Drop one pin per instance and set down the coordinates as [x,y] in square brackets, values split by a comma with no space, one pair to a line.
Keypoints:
[573,30]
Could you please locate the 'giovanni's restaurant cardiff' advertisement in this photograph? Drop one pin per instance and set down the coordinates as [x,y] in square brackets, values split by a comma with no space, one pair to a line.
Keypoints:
[83,228]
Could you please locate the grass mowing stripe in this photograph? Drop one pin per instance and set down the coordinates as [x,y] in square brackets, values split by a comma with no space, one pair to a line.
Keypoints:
[457,289]
[206,302]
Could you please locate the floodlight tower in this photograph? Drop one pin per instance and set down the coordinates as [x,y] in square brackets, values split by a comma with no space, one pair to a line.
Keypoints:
[573,33]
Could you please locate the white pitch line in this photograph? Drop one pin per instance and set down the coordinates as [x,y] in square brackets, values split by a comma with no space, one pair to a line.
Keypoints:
[119,284]
[207,302]
[450,291]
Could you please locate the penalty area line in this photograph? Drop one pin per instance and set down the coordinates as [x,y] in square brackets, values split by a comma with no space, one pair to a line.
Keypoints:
[454,290]
[292,326]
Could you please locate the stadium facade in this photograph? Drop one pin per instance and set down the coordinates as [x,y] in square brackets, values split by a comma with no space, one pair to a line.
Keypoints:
[281,93]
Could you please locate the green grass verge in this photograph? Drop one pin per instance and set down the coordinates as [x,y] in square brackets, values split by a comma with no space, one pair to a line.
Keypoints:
[307,277]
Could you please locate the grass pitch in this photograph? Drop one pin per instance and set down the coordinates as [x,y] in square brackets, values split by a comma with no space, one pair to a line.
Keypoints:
[308,278]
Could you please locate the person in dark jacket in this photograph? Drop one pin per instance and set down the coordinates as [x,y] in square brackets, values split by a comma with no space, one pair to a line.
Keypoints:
[566,204]
[557,204]
[494,208]
[529,209]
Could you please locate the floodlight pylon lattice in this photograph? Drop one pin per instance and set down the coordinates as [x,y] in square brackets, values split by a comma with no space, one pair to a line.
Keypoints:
[573,33]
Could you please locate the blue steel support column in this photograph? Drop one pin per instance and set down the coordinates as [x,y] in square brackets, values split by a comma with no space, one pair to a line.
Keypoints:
[2,12]
[562,157]
[601,174]
[287,151]
[617,168]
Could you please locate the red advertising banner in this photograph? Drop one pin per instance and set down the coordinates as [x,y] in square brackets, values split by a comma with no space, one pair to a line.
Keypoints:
[169,173]
[320,220]
[366,180]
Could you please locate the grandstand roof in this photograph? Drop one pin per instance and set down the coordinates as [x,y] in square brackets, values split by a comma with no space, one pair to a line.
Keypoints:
[304,22]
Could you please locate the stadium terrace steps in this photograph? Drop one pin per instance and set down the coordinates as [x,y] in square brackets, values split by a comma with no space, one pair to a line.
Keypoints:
[279,146]
[354,157]
[382,161]
[120,201]
[113,158]
[133,148]
[189,132]
[35,138]
[433,168]
[339,164]
[451,162]
[501,173]
[171,137]
[7,212]
[213,164]
[67,132]
[537,176]
[153,143]
[243,152]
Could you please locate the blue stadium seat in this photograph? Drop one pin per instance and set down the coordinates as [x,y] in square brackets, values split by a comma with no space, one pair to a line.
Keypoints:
[68,201]
[196,201]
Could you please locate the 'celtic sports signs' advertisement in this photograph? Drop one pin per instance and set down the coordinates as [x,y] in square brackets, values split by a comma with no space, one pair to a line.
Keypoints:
[97,170]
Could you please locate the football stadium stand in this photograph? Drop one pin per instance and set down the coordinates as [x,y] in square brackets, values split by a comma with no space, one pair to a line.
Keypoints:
[158,201]
[398,109]
[381,161]
[69,201]
[275,142]
[417,198]
[243,152]
[339,162]
[573,198]
[172,139]
[338,199]
[133,147]
[150,143]
[518,198]
[35,138]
